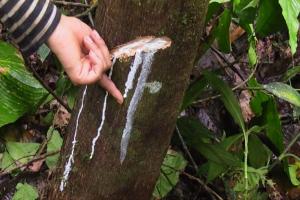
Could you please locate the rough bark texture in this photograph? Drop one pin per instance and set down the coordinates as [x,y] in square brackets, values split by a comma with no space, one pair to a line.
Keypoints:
[103,177]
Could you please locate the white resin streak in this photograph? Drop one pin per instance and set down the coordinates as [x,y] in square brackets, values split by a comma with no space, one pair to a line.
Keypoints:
[68,166]
[133,69]
[146,68]
[95,139]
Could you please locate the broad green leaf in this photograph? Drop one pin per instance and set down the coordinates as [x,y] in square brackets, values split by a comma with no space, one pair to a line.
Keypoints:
[271,119]
[20,92]
[222,32]
[7,163]
[258,99]
[218,154]
[264,107]
[290,73]
[228,98]
[19,152]
[193,131]
[258,153]
[215,170]
[245,10]
[269,19]
[293,171]
[231,140]
[193,92]
[251,4]
[284,91]
[25,192]
[290,12]
[170,170]
[213,8]
[54,144]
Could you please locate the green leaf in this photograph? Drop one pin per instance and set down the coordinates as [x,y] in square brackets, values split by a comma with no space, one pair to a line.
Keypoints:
[25,192]
[215,170]
[269,19]
[273,124]
[170,170]
[222,32]
[264,107]
[193,92]
[290,12]
[218,154]
[43,52]
[213,8]
[20,91]
[284,91]
[290,73]
[293,171]
[219,1]
[252,56]
[7,163]
[258,153]
[193,131]
[19,152]
[228,98]
[258,99]
[54,144]
[230,140]
[245,10]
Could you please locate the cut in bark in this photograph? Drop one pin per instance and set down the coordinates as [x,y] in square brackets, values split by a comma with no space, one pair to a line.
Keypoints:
[157,102]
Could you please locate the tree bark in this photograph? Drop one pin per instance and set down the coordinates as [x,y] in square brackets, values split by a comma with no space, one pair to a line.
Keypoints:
[104,177]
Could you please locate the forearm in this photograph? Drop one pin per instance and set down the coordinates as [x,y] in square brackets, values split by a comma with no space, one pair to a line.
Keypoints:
[30,22]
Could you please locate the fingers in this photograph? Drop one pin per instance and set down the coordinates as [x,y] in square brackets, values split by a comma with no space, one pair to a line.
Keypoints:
[99,48]
[101,44]
[87,76]
[96,62]
[111,88]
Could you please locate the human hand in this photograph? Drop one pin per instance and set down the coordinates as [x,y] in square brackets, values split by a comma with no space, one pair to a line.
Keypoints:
[83,54]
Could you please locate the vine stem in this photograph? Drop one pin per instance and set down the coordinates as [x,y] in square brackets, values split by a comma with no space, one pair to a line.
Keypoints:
[285,152]
[42,82]
[186,149]
[246,161]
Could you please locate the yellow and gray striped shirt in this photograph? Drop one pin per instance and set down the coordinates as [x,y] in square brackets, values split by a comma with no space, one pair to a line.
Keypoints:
[30,22]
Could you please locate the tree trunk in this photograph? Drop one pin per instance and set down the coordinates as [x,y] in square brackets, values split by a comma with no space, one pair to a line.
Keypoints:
[104,177]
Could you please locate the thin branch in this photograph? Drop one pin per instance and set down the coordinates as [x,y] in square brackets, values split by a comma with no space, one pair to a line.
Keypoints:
[186,149]
[208,189]
[44,144]
[229,64]
[87,11]
[68,3]
[284,153]
[202,183]
[90,14]
[41,157]
[37,76]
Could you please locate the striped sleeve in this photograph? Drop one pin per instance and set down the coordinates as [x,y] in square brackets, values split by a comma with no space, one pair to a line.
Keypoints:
[30,22]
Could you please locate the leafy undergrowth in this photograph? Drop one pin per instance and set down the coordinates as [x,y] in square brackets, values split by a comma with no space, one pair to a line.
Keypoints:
[237,136]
